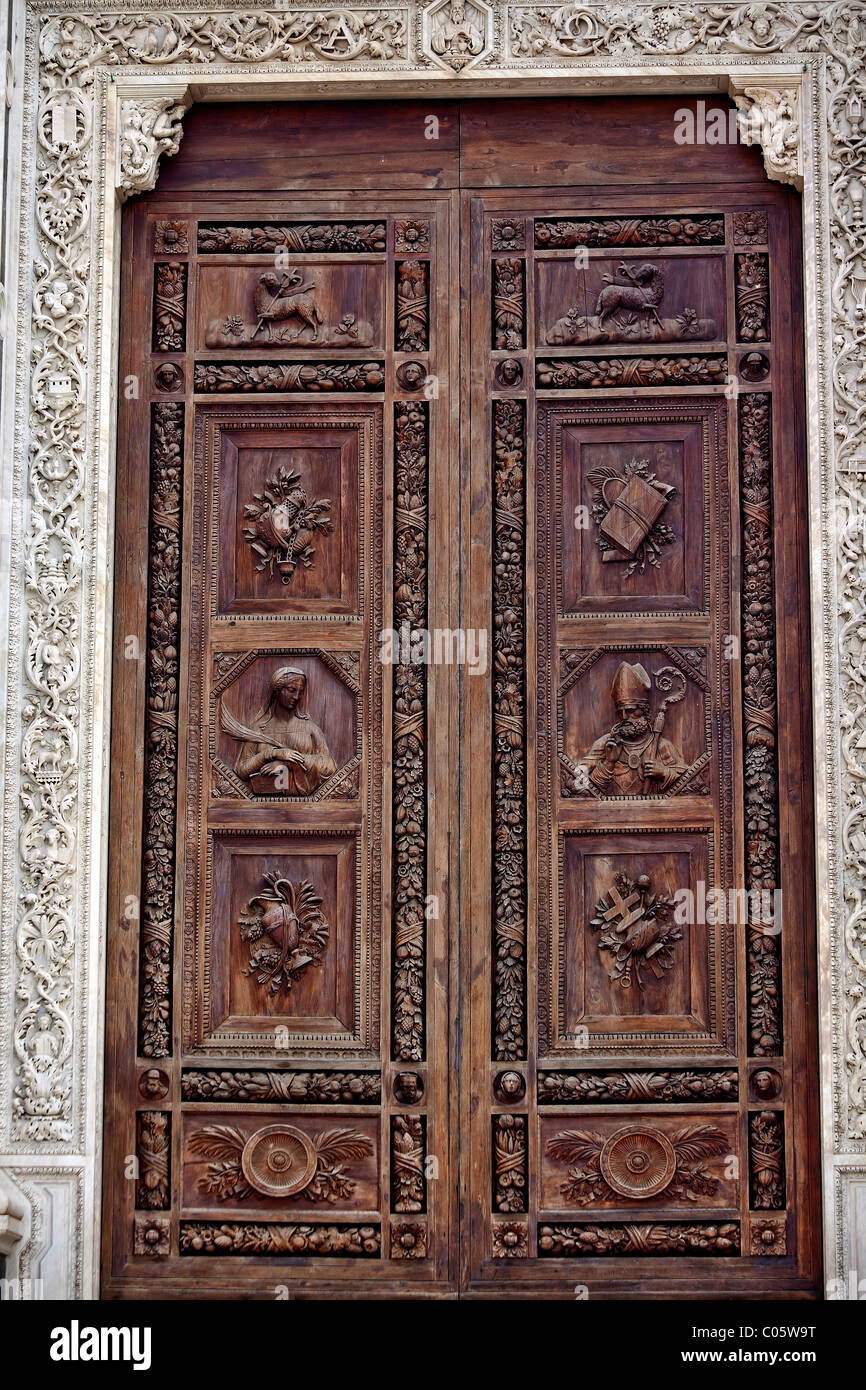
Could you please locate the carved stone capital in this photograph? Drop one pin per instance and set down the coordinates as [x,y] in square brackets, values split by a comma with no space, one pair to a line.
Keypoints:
[148,127]
[769,108]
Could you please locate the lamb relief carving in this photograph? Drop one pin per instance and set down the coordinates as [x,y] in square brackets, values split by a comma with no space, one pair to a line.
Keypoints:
[284,312]
[627,309]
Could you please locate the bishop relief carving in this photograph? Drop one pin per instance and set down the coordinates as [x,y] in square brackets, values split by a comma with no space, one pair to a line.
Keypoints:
[632,758]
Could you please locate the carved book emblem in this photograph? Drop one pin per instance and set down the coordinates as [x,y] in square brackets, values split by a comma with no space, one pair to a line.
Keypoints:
[637,929]
[286,932]
[632,758]
[281,523]
[638,1162]
[626,506]
[279,1161]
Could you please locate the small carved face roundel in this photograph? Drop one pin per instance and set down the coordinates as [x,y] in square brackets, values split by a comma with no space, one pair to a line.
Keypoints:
[411,376]
[638,1162]
[509,372]
[278,1160]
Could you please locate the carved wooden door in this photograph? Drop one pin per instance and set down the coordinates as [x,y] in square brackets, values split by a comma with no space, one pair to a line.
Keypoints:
[387,928]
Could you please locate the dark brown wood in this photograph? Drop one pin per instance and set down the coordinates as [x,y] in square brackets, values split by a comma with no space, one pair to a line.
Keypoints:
[581,458]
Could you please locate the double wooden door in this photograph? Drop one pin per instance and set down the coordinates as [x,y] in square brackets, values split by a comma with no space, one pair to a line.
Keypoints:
[460,901]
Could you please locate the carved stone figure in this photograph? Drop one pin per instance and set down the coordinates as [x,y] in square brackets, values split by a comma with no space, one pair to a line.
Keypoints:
[455,37]
[632,759]
[284,752]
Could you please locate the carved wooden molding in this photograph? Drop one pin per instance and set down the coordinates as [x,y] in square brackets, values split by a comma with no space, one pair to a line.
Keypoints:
[409,755]
[509,731]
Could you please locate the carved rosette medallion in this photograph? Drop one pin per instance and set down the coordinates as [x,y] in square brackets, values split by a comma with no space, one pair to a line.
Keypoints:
[637,1163]
[278,1161]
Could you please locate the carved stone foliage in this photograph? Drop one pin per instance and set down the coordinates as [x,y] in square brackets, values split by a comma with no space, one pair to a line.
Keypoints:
[759,719]
[408,1240]
[408,1154]
[160,779]
[409,732]
[591,373]
[286,933]
[412,234]
[767,1160]
[149,129]
[289,376]
[509,303]
[510,1163]
[413,306]
[151,1236]
[153,1149]
[638,1162]
[665,1238]
[281,522]
[509,731]
[637,929]
[270,1238]
[169,307]
[753,297]
[334,237]
[686,230]
[296,1087]
[279,1161]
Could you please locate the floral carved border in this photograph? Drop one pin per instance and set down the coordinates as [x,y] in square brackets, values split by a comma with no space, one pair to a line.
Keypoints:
[87,74]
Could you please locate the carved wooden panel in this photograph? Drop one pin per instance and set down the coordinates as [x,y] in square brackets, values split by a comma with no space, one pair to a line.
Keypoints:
[638,948]
[274,871]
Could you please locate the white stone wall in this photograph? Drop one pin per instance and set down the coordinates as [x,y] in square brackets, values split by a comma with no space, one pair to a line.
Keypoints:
[99,97]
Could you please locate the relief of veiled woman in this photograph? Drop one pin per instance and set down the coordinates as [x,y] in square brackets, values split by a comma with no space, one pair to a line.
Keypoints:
[292,756]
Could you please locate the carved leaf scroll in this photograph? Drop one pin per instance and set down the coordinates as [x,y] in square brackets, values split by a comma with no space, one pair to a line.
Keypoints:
[409,733]
[509,731]
[160,775]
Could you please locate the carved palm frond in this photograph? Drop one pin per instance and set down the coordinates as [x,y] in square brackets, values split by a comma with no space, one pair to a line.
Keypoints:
[698,1141]
[218,1141]
[341,1145]
[575,1146]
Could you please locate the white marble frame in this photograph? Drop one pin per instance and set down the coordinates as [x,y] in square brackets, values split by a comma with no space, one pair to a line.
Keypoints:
[99,98]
